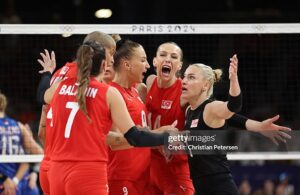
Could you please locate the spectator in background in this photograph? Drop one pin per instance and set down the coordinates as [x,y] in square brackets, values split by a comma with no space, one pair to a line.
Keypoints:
[284,187]
[268,187]
[245,187]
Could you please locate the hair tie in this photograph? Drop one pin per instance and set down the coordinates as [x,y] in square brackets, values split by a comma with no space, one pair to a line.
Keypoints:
[215,74]
[120,43]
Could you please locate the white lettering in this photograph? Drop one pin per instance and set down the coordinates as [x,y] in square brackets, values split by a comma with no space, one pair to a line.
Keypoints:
[72,90]
[62,90]
[91,92]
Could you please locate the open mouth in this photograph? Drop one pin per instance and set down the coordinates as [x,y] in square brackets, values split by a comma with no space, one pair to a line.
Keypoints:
[144,73]
[184,89]
[166,70]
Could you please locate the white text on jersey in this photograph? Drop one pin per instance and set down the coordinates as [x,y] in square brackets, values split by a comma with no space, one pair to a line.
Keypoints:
[72,90]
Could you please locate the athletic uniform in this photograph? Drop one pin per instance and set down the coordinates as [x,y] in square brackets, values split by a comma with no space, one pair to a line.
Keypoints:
[69,70]
[78,150]
[210,173]
[164,108]
[11,143]
[128,170]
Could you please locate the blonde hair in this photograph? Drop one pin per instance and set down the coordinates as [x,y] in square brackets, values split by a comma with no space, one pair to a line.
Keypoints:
[106,40]
[116,37]
[3,102]
[209,74]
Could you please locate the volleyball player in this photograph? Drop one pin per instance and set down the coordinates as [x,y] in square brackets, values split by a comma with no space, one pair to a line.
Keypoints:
[69,70]
[128,169]
[14,138]
[165,105]
[210,173]
[77,141]
[108,73]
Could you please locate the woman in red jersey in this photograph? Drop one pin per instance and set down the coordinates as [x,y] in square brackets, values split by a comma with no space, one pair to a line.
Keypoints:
[83,110]
[69,70]
[164,106]
[128,170]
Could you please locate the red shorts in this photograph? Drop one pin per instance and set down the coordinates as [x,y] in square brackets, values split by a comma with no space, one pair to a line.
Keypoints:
[77,178]
[125,187]
[165,181]
[43,176]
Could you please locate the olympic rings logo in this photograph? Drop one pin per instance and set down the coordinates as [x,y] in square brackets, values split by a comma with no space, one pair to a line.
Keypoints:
[259,27]
[67,28]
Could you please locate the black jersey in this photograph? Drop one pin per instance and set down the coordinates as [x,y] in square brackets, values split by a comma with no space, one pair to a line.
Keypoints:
[204,164]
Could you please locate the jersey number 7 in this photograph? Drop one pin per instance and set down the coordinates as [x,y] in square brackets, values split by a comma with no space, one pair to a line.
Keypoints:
[74,109]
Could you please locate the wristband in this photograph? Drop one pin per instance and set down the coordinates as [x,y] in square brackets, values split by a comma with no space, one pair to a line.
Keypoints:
[238,121]
[44,84]
[234,103]
[138,138]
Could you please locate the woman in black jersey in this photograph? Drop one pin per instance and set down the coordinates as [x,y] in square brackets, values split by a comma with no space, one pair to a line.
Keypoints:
[210,173]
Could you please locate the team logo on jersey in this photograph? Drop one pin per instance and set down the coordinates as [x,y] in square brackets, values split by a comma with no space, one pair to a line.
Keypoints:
[194,123]
[166,104]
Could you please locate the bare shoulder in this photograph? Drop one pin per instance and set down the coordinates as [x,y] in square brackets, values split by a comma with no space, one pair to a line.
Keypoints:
[112,95]
[213,104]
[142,90]
[150,80]
[141,86]
[214,108]
[112,91]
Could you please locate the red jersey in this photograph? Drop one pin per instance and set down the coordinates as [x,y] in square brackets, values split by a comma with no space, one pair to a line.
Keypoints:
[164,108]
[163,105]
[69,70]
[130,164]
[74,138]
[48,126]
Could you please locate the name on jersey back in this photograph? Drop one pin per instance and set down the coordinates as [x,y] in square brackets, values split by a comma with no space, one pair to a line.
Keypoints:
[72,90]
